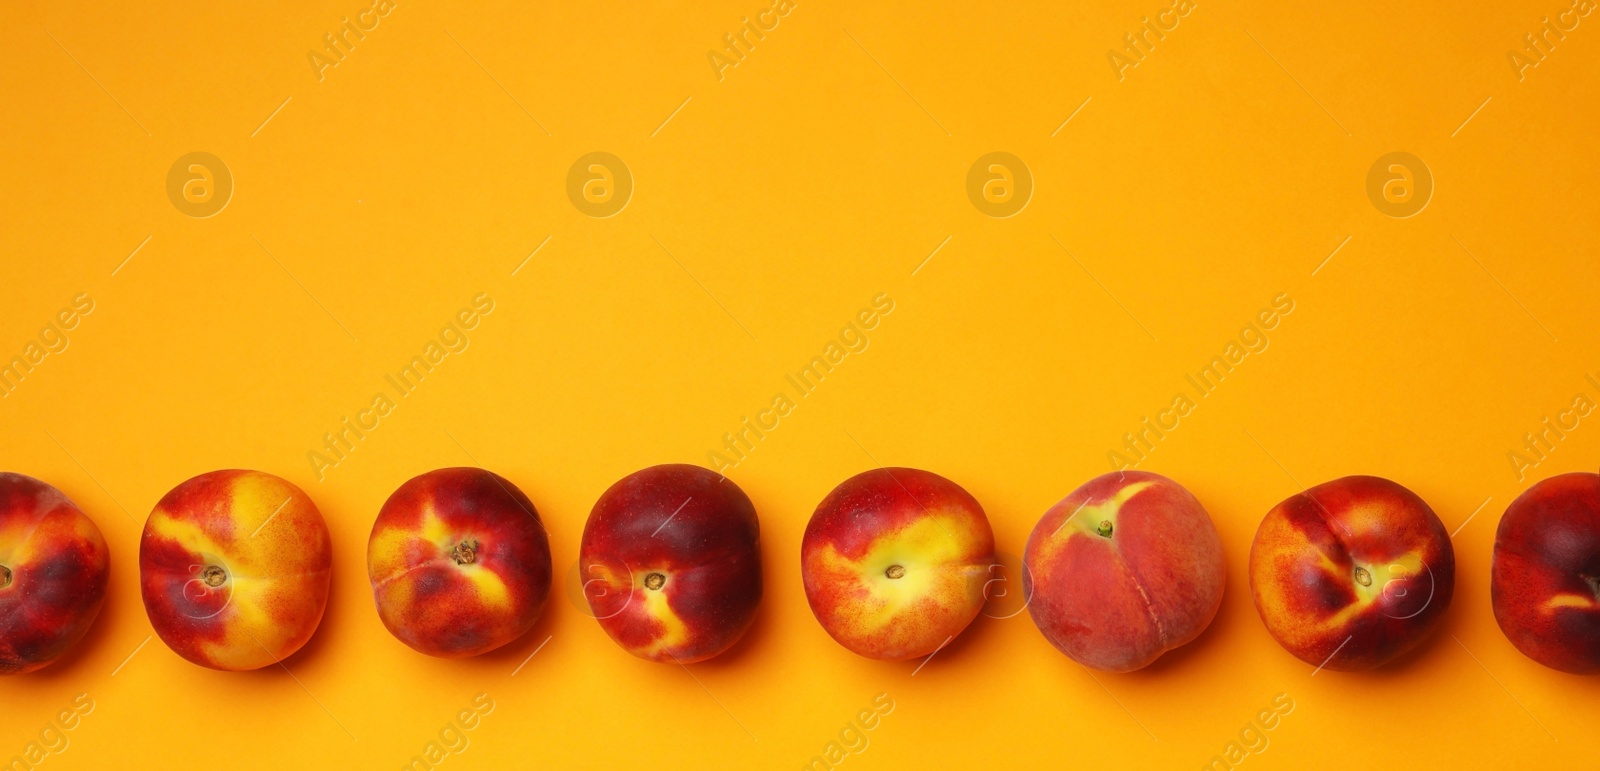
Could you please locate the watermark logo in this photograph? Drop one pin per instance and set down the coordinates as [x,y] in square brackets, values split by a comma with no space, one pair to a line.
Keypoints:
[1540,44]
[1537,445]
[53,738]
[853,737]
[599,184]
[999,184]
[52,339]
[199,184]
[452,738]
[1399,184]
[1005,592]
[1253,737]
[738,45]
[1138,45]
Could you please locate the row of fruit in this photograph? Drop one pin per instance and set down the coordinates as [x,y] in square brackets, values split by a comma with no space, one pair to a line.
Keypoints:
[234,568]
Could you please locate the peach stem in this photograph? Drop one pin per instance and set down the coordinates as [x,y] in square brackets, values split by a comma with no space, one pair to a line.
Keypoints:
[1104,530]
[5,576]
[465,553]
[213,575]
[895,571]
[655,581]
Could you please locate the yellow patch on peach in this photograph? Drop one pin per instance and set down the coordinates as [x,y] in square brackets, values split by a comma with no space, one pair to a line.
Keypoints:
[1086,519]
[918,548]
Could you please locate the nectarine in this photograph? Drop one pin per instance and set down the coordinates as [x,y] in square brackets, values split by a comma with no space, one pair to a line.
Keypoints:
[1544,581]
[53,570]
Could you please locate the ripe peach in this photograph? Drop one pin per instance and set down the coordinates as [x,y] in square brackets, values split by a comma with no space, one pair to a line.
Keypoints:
[1352,573]
[895,561]
[459,562]
[671,558]
[234,568]
[53,570]
[1545,578]
[1126,568]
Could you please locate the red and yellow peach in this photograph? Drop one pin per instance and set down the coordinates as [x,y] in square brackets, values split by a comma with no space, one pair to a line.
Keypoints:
[234,568]
[671,563]
[459,562]
[1352,573]
[895,561]
[1544,581]
[53,571]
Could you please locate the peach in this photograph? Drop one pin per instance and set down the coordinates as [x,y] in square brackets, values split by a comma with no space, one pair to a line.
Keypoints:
[53,571]
[895,561]
[1126,568]
[1352,573]
[459,562]
[1544,581]
[671,557]
[234,568]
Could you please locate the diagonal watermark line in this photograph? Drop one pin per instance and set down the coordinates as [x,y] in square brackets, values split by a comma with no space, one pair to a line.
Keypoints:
[531,655]
[270,117]
[271,516]
[1503,687]
[303,688]
[898,83]
[931,655]
[1275,460]
[1470,516]
[1469,118]
[1070,117]
[703,288]
[1331,655]
[670,117]
[1119,702]
[303,288]
[1503,288]
[714,697]
[1332,253]
[131,655]
[92,477]
[1298,83]
[673,514]
[1104,289]
[497,82]
[932,253]
[132,253]
[97,82]
[532,253]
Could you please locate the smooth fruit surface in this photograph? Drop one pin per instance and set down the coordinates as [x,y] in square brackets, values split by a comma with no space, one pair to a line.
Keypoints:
[895,561]
[1352,573]
[53,570]
[1126,568]
[234,567]
[1545,579]
[459,562]
[671,563]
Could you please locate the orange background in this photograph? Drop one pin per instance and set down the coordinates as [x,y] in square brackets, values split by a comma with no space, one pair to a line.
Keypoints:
[823,170]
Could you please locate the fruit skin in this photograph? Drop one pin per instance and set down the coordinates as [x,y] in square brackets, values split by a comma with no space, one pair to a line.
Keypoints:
[1546,570]
[1126,568]
[1305,580]
[921,522]
[690,526]
[58,565]
[272,548]
[459,562]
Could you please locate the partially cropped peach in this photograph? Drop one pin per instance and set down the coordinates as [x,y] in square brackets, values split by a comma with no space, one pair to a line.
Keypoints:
[459,562]
[895,561]
[234,568]
[671,563]
[1126,568]
[53,570]
[1352,573]
[1545,579]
